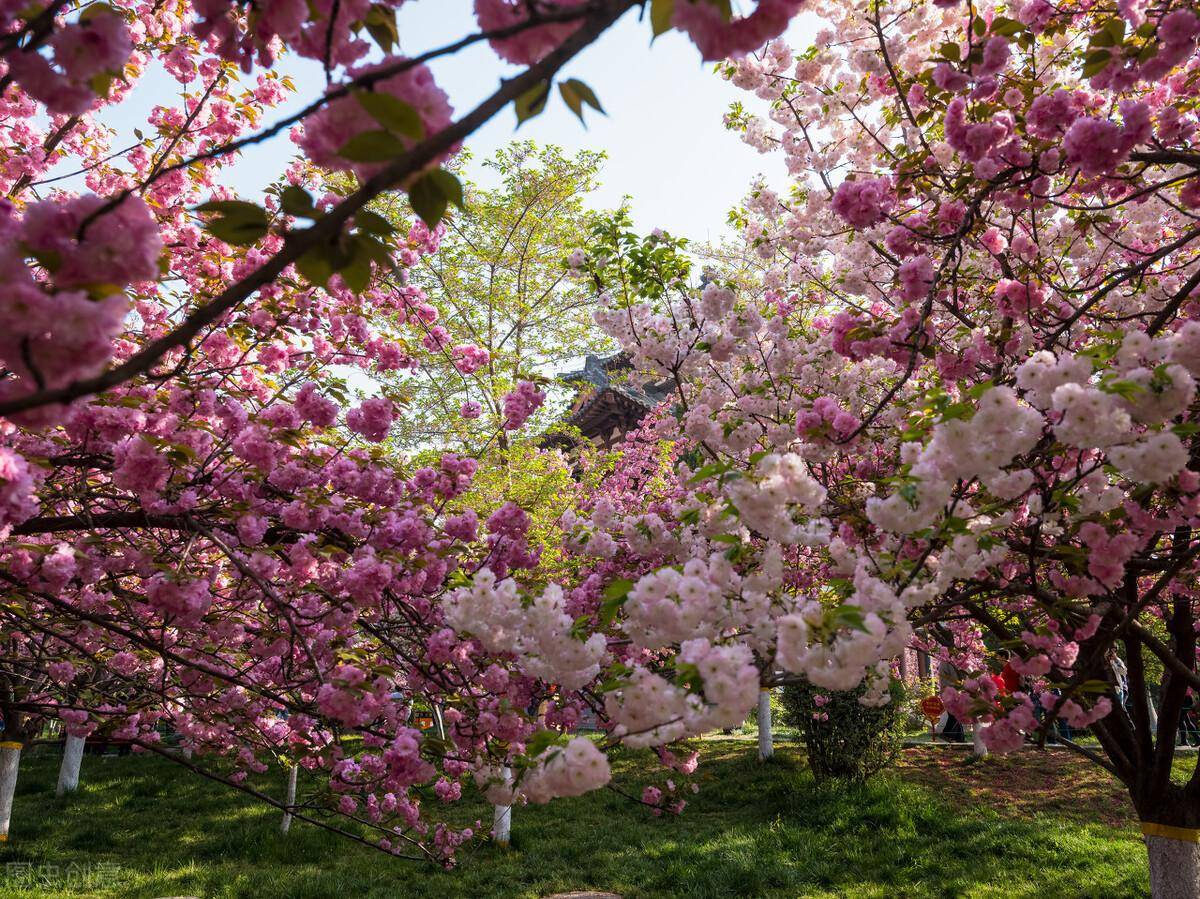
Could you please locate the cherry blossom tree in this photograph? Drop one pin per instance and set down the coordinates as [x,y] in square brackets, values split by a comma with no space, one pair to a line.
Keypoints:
[202,529]
[966,396]
[961,407]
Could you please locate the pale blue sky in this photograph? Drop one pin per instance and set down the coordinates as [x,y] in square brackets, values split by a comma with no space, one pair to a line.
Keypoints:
[666,143]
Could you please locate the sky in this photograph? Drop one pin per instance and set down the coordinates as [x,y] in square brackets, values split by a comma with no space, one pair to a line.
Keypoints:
[667,147]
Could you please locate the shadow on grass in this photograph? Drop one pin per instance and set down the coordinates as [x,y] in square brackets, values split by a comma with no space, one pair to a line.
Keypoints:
[141,827]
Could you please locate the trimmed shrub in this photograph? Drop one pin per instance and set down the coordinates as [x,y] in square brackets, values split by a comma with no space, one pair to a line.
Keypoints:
[844,738]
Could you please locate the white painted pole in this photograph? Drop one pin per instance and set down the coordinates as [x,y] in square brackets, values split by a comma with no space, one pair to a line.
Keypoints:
[766,746]
[290,799]
[68,771]
[1152,712]
[10,763]
[502,818]
[978,747]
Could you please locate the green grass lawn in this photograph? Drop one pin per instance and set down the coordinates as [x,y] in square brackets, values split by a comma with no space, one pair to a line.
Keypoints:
[938,826]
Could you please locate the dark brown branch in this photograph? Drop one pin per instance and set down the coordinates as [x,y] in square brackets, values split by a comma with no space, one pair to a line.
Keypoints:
[329,226]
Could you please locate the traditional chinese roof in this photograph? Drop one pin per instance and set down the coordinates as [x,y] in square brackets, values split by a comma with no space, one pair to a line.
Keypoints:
[603,404]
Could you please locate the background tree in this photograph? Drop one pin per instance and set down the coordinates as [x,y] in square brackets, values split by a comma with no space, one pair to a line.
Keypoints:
[182,502]
[503,283]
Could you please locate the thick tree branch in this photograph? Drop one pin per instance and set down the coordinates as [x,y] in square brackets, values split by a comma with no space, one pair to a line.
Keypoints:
[330,225]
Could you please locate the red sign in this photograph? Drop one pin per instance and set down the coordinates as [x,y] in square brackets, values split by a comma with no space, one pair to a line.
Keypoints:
[932,708]
[423,723]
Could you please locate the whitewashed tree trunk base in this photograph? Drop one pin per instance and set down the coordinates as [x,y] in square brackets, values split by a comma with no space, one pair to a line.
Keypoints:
[10,763]
[766,744]
[1174,868]
[502,818]
[290,799]
[68,771]
[978,747]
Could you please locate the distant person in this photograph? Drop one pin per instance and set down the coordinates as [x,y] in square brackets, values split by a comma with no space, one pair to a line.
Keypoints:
[952,730]
[1120,675]
[1189,728]
[1010,678]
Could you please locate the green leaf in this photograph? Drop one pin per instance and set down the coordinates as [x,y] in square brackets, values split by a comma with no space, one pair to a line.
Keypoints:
[236,221]
[532,103]
[688,676]
[712,469]
[373,222]
[380,23]
[296,201]
[239,234]
[372,146]
[661,12]
[1096,62]
[575,94]
[357,272]
[428,199]
[980,389]
[432,193]
[543,740]
[957,410]
[392,113]
[618,589]
[614,597]
[101,83]
[1006,27]
[951,51]
[1111,34]
[98,9]
[316,266]
[848,616]
[233,208]
[450,186]
[376,251]
[1127,390]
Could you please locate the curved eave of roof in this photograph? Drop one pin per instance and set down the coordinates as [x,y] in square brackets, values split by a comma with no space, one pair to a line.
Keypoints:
[607,402]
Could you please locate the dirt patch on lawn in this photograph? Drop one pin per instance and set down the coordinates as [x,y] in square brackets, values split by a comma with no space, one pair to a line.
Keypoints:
[1028,783]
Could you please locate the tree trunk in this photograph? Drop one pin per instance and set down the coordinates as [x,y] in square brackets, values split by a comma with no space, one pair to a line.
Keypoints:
[978,747]
[1174,867]
[10,762]
[766,747]
[502,819]
[290,799]
[68,771]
